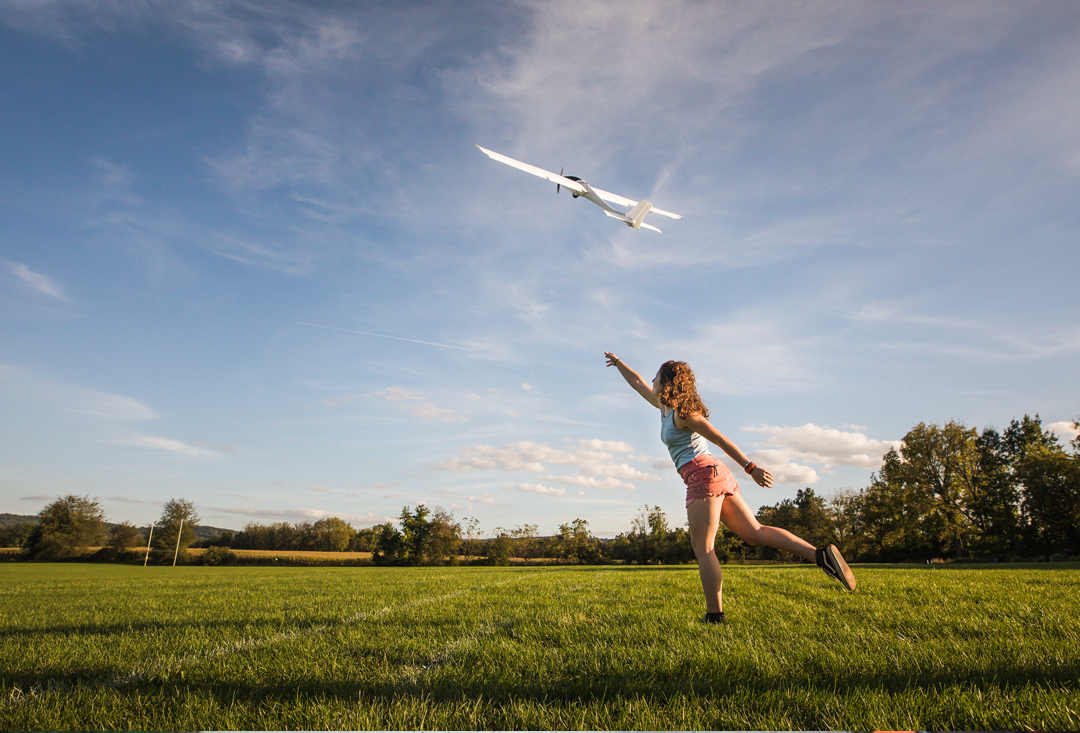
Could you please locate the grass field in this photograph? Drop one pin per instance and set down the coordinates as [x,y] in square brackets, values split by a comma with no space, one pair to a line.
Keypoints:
[117,647]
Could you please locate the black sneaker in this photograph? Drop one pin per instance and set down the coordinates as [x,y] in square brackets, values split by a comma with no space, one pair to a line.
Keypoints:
[714,618]
[832,562]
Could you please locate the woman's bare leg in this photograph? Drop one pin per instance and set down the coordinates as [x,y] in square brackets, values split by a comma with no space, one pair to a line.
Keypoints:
[737,517]
[704,519]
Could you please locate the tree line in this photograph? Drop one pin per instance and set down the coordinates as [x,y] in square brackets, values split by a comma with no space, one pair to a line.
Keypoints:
[949,491]
[70,525]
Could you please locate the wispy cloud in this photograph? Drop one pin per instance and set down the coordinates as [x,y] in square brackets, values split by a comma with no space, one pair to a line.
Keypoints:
[26,384]
[300,515]
[749,351]
[166,445]
[36,281]
[970,338]
[418,405]
[385,336]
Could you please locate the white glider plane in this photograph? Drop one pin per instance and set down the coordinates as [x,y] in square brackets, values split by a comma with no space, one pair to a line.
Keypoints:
[635,218]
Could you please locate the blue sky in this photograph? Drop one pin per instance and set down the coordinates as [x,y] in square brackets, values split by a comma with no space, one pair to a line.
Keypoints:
[250,255]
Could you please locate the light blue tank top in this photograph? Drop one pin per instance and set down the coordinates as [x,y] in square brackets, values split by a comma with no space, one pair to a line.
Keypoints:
[683,445]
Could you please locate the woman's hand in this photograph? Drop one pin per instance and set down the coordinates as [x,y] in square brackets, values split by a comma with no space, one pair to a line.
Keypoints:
[612,360]
[761,477]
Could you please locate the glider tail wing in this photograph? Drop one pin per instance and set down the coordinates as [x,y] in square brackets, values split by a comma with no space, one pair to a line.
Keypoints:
[636,215]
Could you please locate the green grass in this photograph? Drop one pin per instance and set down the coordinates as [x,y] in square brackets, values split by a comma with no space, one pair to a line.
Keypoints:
[118,647]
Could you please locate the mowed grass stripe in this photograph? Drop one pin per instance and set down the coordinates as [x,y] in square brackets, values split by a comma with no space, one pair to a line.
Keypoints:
[249,644]
[553,648]
[178,624]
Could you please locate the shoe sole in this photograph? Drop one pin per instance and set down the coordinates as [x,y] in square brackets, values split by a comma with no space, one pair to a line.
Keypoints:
[836,561]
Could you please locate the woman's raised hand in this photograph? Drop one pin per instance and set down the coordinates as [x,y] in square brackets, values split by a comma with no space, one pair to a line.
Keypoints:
[612,360]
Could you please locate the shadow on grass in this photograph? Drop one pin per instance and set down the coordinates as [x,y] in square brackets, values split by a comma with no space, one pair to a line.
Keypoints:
[571,686]
[288,694]
[251,628]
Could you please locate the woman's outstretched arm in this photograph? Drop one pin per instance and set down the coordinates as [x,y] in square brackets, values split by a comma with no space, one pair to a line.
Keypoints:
[702,426]
[634,379]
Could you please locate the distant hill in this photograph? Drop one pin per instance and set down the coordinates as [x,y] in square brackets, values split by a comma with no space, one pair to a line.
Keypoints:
[8,520]
[203,532]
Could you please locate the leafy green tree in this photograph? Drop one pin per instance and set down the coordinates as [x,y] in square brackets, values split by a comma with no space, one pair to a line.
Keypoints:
[1051,481]
[16,535]
[224,539]
[893,515]
[729,546]
[525,541]
[125,536]
[415,534]
[992,502]
[1046,478]
[498,548]
[389,545]
[331,534]
[806,516]
[444,538]
[178,520]
[67,528]
[646,542]
[364,540]
[944,464]
[845,515]
[576,544]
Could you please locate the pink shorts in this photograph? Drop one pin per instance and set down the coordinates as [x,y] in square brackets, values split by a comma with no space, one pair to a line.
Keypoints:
[705,476]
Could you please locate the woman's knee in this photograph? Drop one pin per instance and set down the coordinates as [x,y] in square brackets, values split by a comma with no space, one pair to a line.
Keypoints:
[753,537]
[703,549]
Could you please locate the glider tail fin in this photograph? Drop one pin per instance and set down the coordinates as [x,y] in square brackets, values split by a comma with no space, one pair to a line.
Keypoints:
[636,215]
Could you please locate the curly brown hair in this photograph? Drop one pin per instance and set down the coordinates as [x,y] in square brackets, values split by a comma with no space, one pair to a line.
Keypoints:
[678,389]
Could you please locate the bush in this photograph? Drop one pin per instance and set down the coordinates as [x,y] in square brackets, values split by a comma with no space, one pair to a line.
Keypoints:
[218,556]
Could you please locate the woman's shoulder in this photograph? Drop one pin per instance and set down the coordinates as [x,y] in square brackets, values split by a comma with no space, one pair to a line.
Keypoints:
[685,421]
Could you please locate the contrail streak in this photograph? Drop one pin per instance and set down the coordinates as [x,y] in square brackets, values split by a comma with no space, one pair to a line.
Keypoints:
[384,336]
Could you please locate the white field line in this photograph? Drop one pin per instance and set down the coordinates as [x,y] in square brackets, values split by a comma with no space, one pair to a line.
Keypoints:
[411,675]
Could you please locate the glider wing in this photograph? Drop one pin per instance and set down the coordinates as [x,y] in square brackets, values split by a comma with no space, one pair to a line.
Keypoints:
[546,175]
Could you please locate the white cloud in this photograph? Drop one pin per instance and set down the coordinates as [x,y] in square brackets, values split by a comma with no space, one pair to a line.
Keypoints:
[541,489]
[594,483]
[593,458]
[789,447]
[1065,430]
[783,471]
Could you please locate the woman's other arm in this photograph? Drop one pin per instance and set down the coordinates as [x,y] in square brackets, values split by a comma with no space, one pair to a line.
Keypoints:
[702,426]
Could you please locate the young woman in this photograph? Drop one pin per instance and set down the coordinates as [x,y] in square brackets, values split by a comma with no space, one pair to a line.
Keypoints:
[712,493]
